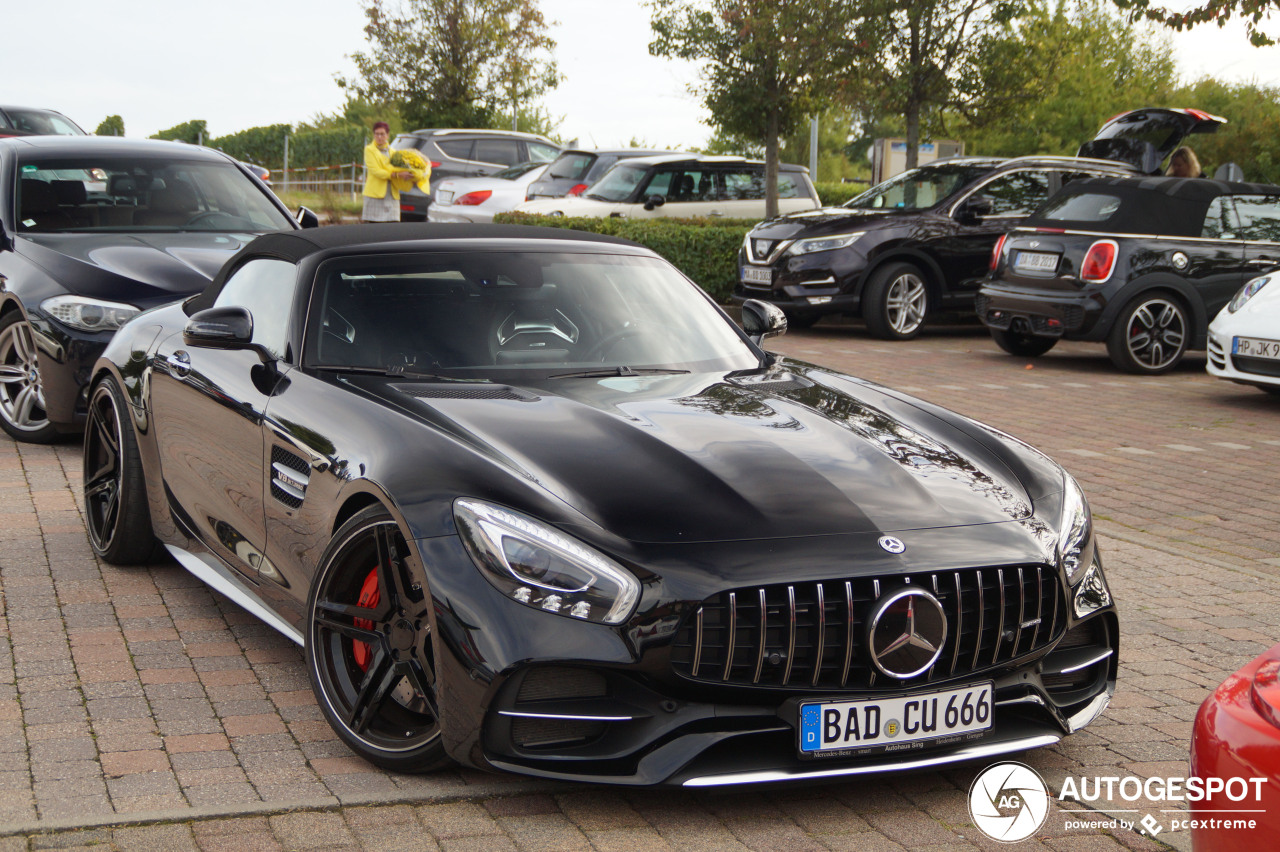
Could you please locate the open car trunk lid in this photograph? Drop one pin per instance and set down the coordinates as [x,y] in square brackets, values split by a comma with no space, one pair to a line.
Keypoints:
[1143,138]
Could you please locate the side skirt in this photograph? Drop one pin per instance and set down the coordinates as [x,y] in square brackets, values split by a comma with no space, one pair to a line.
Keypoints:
[221,579]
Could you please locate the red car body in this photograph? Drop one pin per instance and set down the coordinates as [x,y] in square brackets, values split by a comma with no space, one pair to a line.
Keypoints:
[1237,735]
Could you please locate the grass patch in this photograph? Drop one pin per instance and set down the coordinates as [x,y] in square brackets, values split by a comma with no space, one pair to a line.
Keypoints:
[327,205]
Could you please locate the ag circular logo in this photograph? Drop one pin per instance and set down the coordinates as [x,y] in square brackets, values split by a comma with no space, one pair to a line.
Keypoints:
[1008,802]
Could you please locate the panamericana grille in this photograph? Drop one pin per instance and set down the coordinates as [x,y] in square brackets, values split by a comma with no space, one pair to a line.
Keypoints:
[814,635]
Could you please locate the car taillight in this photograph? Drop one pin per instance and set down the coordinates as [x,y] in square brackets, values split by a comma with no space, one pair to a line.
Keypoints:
[434,164]
[1099,262]
[471,199]
[1264,692]
[1202,116]
[577,190]
[995,252]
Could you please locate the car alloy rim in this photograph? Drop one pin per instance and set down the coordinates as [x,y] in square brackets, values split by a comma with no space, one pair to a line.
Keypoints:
[21,394]
[372,649]
[905,303]
[1157,333]
[103,471]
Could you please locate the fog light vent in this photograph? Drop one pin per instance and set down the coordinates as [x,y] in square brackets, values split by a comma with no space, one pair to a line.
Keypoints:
[554,683]
[539,733]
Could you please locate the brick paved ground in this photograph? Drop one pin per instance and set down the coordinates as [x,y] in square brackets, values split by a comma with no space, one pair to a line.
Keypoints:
[139,710]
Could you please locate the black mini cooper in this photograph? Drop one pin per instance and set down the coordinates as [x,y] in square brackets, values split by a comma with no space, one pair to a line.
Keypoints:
[920,242]
[1143,265]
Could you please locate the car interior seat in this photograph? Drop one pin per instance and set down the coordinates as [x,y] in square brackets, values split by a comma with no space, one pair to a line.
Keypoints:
[39,211]
[174,203]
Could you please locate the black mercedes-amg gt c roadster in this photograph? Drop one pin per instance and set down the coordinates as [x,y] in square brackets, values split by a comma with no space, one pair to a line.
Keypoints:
[532,502]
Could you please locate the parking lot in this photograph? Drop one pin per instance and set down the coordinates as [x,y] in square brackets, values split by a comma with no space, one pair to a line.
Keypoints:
[140,710]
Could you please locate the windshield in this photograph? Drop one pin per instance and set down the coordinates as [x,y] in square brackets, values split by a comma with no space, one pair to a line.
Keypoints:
[43,122]
[482,316]
[94,193]
[917,189]
[618,183]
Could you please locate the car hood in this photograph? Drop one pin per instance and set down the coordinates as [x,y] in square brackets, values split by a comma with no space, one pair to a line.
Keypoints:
[710,457]
[827,220]
[140,268]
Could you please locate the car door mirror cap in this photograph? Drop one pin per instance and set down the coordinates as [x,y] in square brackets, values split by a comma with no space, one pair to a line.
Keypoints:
[229,327]
[307,218]
[762,320]
[974,208]
[654,201]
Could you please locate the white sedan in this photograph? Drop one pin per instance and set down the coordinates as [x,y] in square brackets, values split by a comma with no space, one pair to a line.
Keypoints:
[683,186]
[1244,339]
[477,199]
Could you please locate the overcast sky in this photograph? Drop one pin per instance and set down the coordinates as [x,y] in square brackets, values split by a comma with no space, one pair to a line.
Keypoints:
[244,63]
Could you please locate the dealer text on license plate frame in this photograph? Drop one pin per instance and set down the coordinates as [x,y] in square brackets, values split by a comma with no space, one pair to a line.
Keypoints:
[1035,261]
[1256,347]
[898,722]
[760,275]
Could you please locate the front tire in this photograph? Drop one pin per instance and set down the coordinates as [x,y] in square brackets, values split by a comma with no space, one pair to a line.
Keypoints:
[22,411]
[1150,335]
[370,648]
[115,493]
[895,302]
[1022,345]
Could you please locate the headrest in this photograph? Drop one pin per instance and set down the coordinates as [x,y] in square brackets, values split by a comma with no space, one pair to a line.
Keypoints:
[177,197]
[122,185]
[37,197]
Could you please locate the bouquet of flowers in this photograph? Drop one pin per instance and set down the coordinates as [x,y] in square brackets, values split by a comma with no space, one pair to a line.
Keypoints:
[407,159]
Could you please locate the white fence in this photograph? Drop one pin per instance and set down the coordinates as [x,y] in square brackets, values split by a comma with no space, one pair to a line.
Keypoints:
[345,178]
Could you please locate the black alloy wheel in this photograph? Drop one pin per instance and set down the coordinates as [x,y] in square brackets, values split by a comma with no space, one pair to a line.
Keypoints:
[22,412]
[115,493]
[370,650]
[895,302]
[1150,335]
[1022,345]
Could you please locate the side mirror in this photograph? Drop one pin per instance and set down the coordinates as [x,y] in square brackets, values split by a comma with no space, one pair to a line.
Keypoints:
[762,320]
[974,208]
[307,218]
[220,328]
[5,242]
[654,201]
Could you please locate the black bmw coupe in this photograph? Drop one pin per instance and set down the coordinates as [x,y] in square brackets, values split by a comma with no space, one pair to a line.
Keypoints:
[532,502]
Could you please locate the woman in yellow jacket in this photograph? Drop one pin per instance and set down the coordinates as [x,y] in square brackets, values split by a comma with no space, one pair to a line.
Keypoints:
[381,198]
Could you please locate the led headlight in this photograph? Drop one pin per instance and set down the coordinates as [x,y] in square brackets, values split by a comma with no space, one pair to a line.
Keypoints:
[88,314]
[1075,528]
[543,568]
[1247,292]
[817,244]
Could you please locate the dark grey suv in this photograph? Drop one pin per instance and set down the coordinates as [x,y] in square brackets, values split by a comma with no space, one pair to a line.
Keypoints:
[468,153]
[576,169]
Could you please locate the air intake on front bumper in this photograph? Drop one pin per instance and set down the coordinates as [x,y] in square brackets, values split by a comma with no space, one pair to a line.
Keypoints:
[814,634]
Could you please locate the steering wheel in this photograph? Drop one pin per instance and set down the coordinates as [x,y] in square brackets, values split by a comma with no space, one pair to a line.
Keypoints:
[600,350]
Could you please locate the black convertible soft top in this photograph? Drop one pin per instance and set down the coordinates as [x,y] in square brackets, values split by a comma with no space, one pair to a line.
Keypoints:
[294,246]
[1162,206]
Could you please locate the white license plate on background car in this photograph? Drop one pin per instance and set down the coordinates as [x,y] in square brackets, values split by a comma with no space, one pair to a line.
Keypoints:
[1253,347]
[892,722]
[757,274]
[1035,261]
[444,197]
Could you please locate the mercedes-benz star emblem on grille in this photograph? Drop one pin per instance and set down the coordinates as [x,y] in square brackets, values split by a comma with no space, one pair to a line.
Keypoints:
[891,544]
[908,630]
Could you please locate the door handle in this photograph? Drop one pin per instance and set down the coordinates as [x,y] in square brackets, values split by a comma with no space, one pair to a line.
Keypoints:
[1262,261]
[179,364]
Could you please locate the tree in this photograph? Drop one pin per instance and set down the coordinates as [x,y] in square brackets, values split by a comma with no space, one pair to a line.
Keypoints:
[767,65]
[453,63]
[963,56]
[1253,12]
[195,131]
[112,125]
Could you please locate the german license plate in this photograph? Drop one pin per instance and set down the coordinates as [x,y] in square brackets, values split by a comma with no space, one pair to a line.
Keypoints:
[1035,261]
[444,197]
[757,275]
[897,722]
[1252,347]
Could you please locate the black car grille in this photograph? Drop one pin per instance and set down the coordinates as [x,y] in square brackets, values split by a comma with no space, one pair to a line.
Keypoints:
[1257,366]
[813,635]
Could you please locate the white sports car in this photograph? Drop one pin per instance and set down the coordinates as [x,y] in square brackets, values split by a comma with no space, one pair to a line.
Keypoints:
[1244,339]
[477,199]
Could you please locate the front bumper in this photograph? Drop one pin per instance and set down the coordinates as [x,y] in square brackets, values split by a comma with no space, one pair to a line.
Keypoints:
[822,283]
[1045,313]
[1249,371]
[66,358]
[552,697]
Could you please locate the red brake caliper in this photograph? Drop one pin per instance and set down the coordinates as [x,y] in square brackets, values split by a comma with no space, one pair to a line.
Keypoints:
[369,598]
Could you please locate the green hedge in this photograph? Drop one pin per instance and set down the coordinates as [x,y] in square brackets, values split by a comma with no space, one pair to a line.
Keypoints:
[835,193]
[704,249]
[265,146]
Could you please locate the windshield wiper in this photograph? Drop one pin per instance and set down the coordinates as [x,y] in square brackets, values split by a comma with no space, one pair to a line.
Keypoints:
[594,197]
[611,372]
[396,371]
